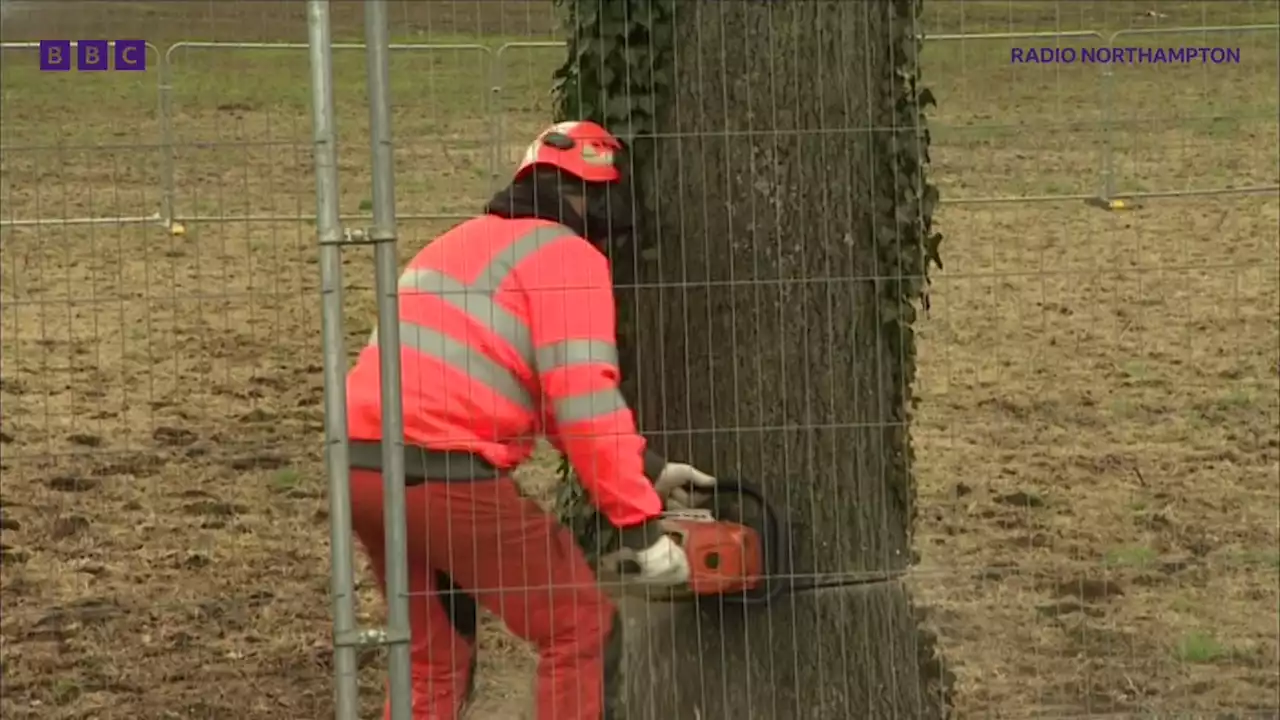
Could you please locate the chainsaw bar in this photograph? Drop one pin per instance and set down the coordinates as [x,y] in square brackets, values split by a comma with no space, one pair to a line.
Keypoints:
[685,595]
[775,578]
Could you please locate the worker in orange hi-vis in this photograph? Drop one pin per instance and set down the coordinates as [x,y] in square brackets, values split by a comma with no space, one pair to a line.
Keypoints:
[507,331]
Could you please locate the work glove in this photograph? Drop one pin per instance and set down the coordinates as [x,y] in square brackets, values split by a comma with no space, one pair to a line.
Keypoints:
[683,486]
[651,557]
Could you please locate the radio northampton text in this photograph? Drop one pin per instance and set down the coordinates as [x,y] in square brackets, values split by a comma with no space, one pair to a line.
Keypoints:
[1126,55]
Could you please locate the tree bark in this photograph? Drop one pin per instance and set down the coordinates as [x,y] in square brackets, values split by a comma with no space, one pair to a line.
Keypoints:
[761,354]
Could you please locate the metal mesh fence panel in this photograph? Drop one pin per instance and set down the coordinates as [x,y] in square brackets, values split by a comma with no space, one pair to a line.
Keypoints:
[1202,125]
[1078,365]
[1096,436]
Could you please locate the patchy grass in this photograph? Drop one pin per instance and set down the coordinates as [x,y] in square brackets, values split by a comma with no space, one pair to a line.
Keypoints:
[1097,439]
[1132,557]
[1198,647]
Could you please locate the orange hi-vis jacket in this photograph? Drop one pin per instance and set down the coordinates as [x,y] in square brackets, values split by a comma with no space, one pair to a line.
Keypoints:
[507,331]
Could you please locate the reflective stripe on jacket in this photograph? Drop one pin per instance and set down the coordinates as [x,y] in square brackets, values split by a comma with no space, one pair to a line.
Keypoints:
[507,330]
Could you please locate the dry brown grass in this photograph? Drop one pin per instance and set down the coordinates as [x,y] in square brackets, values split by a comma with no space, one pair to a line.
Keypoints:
[1098,434]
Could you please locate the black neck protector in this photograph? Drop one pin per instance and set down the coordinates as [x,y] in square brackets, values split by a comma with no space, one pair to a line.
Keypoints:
[608,217]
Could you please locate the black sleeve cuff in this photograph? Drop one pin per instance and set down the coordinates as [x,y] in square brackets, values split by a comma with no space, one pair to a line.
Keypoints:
[653,465]
[640,537]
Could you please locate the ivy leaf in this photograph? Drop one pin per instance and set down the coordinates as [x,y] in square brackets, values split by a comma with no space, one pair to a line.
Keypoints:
[592,49]
[908,315]
[662,77]
[641,127]
[632,128]
[618,106]
[636,103]
[930,201]
[586,110]
[586,13]
[608,76]
[563,83]
[889,314]
[637,57]
[614,24]
[662,31]
[931,246]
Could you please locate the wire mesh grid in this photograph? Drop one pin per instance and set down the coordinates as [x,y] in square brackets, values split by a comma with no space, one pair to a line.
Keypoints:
[1096,438]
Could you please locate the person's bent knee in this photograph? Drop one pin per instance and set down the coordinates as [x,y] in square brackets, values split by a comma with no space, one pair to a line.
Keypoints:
[582,627]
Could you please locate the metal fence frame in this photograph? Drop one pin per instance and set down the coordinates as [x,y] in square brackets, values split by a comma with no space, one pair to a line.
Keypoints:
[1108,191]
[348,638]
[498,77]
[169,210]
[1064,35]
[158,217]
[494,69]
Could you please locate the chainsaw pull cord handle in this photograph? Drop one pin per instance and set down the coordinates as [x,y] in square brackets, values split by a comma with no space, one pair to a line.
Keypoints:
[773,542]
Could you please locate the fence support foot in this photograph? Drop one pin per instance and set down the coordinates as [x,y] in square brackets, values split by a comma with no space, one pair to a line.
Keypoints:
[1113,204]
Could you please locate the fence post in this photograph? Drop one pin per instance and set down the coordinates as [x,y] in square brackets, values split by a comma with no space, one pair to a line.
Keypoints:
[330,235]
[168,174]
[383,235]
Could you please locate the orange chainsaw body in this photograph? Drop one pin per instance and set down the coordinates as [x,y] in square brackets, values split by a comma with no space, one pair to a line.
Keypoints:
[724,557]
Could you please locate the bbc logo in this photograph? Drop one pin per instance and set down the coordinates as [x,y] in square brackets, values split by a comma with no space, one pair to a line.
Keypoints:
[93,55]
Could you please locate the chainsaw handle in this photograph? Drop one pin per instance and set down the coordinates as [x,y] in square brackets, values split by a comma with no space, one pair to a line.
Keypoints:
[739,487]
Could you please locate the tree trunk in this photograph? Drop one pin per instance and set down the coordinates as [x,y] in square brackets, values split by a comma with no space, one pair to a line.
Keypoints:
[772,343]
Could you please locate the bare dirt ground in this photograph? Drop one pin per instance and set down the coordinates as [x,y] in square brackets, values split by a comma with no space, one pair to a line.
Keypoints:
[1099,433]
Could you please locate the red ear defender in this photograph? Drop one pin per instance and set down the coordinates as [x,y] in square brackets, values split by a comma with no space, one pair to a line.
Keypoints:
[558,140]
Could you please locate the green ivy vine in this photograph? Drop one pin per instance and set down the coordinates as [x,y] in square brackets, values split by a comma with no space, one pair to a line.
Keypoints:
[907,245]
[618,66]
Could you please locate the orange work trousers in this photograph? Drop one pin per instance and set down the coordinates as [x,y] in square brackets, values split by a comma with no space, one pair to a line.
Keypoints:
[510,557]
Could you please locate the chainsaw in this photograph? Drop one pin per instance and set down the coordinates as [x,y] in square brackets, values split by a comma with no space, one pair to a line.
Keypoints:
[736,546]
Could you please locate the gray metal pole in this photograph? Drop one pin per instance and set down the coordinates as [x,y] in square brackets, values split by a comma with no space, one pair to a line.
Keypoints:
[168,191]
[383,234]
[330,235]
[1108,189]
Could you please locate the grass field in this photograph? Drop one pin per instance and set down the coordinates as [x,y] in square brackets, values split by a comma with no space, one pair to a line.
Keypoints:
[1099,433]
